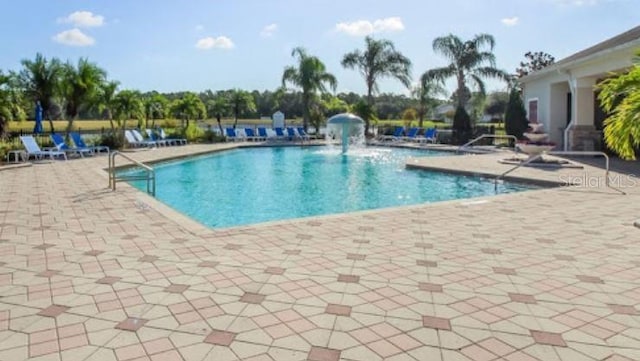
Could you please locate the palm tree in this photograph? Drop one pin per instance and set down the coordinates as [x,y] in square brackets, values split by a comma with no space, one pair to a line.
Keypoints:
[240,101]
[40,79]
[127,105]
[189,107]
[380,59]
[80,87]
[620,97]
[218,107]
[469,62]
[156,106]
[105,100]
[424,94]
[310,75]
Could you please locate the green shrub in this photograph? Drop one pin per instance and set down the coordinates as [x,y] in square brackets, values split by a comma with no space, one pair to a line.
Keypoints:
[113,140]
[461,126]
[210,136]
[6,146]
[4,149]
[193,133]
[515,118]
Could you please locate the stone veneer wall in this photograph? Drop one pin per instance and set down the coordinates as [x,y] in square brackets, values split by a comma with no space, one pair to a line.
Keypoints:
[585,138]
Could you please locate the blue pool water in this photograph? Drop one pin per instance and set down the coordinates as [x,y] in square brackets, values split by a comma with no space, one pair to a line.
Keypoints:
[253,185]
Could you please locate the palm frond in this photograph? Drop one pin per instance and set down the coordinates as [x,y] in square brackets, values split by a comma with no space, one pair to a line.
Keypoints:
[484,39]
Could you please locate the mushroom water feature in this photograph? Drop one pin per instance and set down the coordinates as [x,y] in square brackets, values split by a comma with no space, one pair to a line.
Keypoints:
[347,127]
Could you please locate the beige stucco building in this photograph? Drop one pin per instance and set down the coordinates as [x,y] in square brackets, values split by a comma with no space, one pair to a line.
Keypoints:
[563,97]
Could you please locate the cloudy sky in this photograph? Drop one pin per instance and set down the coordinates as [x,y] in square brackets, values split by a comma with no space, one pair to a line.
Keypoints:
[170,45]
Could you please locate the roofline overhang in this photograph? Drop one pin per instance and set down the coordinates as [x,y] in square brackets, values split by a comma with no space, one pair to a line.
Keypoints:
[561,67]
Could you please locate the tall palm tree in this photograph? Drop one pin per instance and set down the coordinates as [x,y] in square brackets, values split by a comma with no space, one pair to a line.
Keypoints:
[105,101]
[80,87]
[156,106]
[311,76]
[218,107]
[470,62]
[380,59]
[128,105]
[620,97]
[188,107]
[40,79]
[425,95]
[240,101]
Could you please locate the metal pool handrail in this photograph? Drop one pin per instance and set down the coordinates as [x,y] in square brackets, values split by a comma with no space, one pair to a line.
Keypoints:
[484,136]
[150,173]
[574,153]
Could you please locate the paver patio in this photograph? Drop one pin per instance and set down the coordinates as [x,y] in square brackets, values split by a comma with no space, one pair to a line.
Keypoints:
[91,274]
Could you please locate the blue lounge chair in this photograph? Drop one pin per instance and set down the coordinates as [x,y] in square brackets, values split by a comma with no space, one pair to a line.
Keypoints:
[178,141]
[33,149]
[140,138]
[162,142]
[133,141]
[251,135]
[291,133]
[79,142]
[397,134]
[279,133]
[58,141]
[231,134]
[262,133]
[302,134]
[411,134]
[429,136]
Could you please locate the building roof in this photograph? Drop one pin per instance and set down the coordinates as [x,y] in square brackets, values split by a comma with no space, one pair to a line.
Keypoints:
[630,37]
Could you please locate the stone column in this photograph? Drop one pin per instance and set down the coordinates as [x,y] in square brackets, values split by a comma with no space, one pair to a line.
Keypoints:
[583,134]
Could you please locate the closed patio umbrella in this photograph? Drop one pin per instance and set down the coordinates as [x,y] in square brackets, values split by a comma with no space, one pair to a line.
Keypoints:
[38,126]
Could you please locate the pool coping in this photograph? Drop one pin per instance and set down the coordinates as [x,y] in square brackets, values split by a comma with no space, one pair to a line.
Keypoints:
[197,227]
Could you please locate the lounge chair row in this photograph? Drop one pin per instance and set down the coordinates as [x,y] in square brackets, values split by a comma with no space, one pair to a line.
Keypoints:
[135,139]
[412,135]
[263,134]
[61,149]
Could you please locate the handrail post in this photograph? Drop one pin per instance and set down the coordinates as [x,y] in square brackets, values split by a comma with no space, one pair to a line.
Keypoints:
[594,153]
[493,136]
[150,173]
[527,161]
[576,153]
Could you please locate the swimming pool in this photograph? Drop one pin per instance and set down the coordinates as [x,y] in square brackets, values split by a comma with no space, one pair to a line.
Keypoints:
[253,185]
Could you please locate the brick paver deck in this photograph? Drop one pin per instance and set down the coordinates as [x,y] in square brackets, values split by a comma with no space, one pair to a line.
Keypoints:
[90,274]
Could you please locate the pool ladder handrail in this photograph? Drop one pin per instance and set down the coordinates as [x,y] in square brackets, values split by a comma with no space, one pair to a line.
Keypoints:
[485,136]
[150,173]
[560,153]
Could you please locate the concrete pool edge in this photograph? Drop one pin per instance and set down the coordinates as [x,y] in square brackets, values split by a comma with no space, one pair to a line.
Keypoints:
[199,226]
[196,227]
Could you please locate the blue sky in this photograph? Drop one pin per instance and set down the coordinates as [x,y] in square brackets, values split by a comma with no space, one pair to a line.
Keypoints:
[170,45]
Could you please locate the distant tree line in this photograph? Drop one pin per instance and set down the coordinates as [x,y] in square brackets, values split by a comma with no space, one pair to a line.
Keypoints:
[82,90]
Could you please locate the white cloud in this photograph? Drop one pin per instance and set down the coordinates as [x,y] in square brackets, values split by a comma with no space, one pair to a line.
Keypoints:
[512,21]
[269,30]
[366,27]
[74,37]
[210,42]
[83,19]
